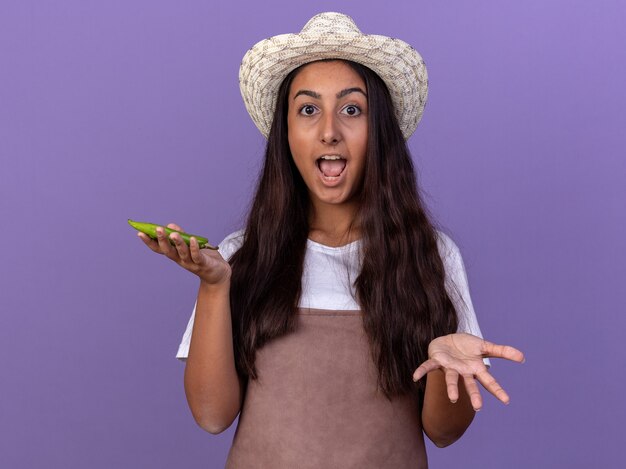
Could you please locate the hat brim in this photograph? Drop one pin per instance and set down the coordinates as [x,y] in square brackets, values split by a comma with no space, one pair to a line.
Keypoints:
[399,65]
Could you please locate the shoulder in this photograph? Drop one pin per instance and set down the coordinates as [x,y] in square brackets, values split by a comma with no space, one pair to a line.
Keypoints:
[451,256]
[231,244]
[448,250]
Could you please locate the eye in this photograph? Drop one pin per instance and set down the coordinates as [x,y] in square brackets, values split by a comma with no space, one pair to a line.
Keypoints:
[307,110]
[351,110]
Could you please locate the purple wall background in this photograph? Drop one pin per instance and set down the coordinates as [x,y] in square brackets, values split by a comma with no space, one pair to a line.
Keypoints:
[131,109]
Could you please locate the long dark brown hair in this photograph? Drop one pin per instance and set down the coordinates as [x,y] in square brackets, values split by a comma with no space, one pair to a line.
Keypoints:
[400,288]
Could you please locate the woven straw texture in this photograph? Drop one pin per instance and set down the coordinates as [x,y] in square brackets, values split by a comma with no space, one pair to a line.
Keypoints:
[327,36]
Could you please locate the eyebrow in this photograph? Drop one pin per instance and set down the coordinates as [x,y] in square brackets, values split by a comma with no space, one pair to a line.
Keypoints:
[340,95]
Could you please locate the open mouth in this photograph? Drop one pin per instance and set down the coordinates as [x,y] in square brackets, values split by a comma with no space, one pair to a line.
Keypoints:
[331,166]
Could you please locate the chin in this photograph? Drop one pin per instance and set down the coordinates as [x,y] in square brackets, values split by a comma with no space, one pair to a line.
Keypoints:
[334,199]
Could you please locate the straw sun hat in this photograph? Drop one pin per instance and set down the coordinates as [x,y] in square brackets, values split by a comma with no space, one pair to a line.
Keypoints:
[333,36]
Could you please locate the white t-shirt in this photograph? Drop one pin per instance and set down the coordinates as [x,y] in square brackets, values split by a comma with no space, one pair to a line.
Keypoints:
[325,284]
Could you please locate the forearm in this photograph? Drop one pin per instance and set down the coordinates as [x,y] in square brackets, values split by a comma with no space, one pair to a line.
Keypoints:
[214,392]
[443,421]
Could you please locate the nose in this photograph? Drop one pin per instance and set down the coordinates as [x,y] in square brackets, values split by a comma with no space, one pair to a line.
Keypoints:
[330,132]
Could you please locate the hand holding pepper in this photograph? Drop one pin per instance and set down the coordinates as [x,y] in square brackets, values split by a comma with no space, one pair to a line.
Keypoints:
[207,264]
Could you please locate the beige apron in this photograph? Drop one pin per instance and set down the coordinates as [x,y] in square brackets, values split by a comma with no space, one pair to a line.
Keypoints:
[316,404]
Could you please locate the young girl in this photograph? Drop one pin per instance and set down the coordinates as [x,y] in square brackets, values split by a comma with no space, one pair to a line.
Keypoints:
[317,322]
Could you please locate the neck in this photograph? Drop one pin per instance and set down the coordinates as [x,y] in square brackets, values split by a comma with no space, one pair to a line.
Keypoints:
[334,224]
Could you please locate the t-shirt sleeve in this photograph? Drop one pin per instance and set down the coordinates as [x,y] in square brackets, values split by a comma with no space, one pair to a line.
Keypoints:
[227,248]
[457,287]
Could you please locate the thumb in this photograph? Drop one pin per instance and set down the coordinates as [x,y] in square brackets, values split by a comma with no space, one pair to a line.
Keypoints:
[174,226]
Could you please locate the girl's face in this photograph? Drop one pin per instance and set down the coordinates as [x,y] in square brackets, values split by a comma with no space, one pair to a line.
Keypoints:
[327,130]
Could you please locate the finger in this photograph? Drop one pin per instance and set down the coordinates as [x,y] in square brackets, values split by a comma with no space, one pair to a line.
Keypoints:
[174,226]
[148,241]
[181,247]
[473,392]
[489,349]
[452,384]
[164,243]
[425,368]
[491,385]
[194,251]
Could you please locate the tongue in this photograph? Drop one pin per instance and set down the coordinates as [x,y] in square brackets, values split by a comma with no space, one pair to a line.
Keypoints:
[332,167]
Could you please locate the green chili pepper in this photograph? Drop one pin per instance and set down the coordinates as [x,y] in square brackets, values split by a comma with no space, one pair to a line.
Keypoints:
[150,230]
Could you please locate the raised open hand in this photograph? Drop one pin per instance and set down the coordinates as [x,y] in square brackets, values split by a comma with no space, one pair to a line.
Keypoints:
[462,354]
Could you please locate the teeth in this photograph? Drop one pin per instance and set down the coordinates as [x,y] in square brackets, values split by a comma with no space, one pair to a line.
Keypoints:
[331,157]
